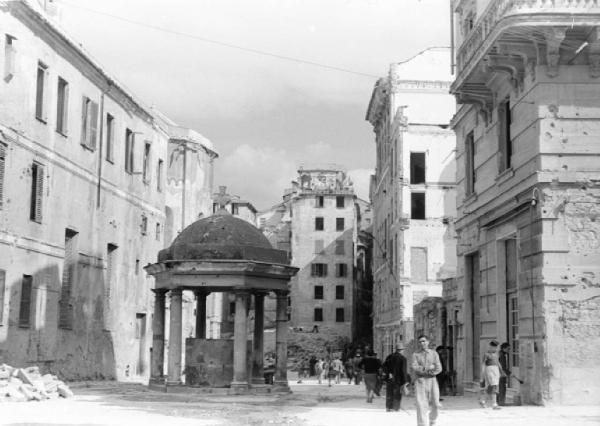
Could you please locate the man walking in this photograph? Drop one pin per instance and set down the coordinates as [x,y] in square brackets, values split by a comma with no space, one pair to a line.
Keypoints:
[504,356]
[396,376]
[426,365]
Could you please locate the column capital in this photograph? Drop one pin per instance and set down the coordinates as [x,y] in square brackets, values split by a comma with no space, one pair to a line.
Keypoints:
[159,291]
[201,292]
[282,293]
[176,291]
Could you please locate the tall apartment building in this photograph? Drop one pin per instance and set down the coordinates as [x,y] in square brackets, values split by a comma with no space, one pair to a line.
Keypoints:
[412,192]
[528,88]
[83,168]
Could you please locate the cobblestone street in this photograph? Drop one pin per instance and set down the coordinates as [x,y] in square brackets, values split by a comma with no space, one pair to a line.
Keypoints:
[109,403]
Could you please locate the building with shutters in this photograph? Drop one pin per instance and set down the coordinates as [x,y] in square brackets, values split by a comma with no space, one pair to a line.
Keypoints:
[412,192]
[83,195]
[528,87]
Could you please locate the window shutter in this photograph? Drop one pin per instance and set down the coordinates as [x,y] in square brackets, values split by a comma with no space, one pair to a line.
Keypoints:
[325,269]
[84,118]
[501,136]
[313,269]
[39,193]
[25,305]
[2,290]
[93,124]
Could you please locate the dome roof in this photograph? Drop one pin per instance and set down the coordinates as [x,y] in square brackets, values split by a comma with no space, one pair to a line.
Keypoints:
[222,237]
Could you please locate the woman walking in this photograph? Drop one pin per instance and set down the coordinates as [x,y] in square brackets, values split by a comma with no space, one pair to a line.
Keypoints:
[371,367]
[490,372]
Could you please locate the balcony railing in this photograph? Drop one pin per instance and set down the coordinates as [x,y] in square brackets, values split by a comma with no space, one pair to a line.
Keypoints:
[500,9]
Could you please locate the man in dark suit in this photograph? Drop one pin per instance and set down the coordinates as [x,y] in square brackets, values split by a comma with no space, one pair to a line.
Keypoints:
[394,368]
[505,372]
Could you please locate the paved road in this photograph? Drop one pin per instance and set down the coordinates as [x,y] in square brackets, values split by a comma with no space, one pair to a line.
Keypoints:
[107,403]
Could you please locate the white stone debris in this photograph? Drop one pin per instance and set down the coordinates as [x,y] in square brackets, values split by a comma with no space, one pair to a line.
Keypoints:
[28,384]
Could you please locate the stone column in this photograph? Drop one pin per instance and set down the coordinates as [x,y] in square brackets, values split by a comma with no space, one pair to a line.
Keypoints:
[200,314]
[175,336]
[240,343]
[281,382]
[258,341]
[158,336]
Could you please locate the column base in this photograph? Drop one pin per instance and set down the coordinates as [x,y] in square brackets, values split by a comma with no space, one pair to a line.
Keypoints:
[281,386]
[238,388]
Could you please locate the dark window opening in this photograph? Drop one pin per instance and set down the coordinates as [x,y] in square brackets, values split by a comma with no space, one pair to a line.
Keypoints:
[318,315]
[505,148]
[319,201]
[339,291]
[37,192]
[339,315]
[470,164]
[319,224]
[417,205]
[319,269]
[25,306]
[341,270]
[417,167]
[339,224]
[339,202]
[319,292]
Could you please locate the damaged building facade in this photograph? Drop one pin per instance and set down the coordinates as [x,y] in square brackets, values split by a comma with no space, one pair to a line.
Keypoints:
[528,194]
[412,192]
[83,190]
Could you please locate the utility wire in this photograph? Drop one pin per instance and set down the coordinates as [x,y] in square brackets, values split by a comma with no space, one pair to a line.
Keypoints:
[220,43]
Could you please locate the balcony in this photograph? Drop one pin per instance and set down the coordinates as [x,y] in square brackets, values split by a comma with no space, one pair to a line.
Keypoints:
[516,35]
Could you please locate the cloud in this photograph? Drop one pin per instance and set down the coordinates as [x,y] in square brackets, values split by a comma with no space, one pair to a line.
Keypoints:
[361,179]
[256,174]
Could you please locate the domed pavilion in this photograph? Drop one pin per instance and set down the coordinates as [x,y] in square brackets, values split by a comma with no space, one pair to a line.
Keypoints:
[220,253]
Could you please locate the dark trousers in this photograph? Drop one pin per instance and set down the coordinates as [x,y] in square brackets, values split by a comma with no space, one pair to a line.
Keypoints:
[502,391]
[393,396]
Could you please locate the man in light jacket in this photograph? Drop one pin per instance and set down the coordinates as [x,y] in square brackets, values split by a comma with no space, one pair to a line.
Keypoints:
[425,366]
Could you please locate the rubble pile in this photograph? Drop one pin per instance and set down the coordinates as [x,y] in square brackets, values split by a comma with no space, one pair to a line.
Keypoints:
[27,384]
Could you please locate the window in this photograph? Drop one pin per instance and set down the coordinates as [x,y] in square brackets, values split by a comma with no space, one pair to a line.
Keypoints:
[62,106]
[318,269]
[339,202]
[417,205]
[9,57]
[129,147]
[65,318]
[339,292]
[2,290]
[41,92]
[157,231]
[341,270]
[231,308]
[3,149]
[110,137]
[319,201]
[318,315]
[137,266]
[235,210]
[417,167]
[159,175]
[505,143]
[144,225]
[89,123]
[339,315]
[25,307]
[339,223]
[340,247]
[146,169]
[319,292]
[37,192]
[319,225]
[470,164]
[319,246]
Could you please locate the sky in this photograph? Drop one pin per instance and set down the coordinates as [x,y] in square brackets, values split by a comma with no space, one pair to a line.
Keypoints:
[265,115]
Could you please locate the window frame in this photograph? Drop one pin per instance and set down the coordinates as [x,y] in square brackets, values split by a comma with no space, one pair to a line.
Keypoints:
[318,314]
[338,317]
[62,106]
[470,175]
[41,93]
[340,224]
[110,138]
[319,223]
[37,193]
[413,196]
[318,292]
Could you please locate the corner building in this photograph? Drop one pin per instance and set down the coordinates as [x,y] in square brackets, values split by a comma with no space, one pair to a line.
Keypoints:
[412,192]
[528,90]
